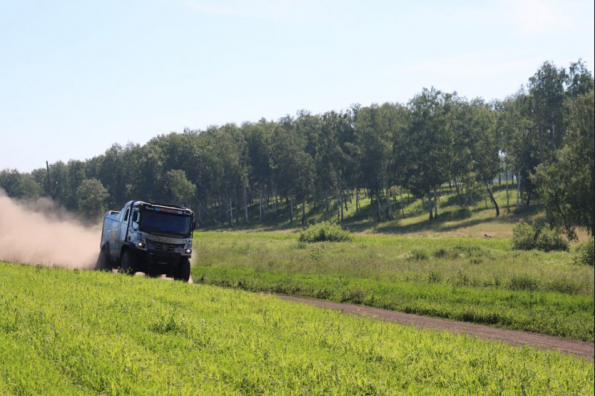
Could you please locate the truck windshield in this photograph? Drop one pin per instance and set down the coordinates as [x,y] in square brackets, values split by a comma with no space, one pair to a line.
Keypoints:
[165,223]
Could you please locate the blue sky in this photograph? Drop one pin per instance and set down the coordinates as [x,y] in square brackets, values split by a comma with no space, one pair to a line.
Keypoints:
[78,76]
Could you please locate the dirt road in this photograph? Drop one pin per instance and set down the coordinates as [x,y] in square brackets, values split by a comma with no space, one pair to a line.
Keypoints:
[516,338]
[512,337]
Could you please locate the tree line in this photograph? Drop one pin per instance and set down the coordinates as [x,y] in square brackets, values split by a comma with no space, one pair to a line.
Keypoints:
[541,137]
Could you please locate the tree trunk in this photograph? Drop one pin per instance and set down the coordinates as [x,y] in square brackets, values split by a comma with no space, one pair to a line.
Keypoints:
[378,207]
[230,214]
[518,190]
[401,199]
[327,205]
[507,195]
[340,203]
[389,209]
[430,206]
[304,211]
[260,207]
[492,199]
[343,198]
[291,206]
[357,201]
[275,204]
[435,203]
[529,200]
[246,207]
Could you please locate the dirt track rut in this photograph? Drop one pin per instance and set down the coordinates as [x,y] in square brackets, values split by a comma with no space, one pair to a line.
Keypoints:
[512,337]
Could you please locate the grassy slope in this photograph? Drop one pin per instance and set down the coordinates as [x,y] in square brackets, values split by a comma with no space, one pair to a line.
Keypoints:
[476,280]
[71,332]
[475,221]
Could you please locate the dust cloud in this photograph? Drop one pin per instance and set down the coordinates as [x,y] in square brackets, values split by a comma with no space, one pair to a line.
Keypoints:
[42,234]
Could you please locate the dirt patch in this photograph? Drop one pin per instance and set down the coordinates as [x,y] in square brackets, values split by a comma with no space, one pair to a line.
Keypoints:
[511,337]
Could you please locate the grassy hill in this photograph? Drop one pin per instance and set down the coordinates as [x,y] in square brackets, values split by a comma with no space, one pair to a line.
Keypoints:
[476,220]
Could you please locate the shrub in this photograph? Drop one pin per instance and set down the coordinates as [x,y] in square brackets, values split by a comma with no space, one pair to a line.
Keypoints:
[324,232]
[523,236]
[440,253]
[551,239]
[435,277]
[523,282]
[585,253]
[534,236]
[419,254]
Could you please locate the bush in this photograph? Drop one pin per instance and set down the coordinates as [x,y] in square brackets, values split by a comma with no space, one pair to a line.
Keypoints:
[550,239]
[324,232]
[419,254]
[534,236]
[523,282]
[585,253]
[523,236]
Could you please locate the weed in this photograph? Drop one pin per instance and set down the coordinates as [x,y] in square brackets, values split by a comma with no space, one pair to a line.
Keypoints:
[585,254]
[435,277]
[419,254]
[324,232]
[355,294]
[523,282]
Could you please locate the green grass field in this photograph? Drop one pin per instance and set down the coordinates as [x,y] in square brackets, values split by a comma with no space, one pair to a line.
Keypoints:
[467,279]
[82,332]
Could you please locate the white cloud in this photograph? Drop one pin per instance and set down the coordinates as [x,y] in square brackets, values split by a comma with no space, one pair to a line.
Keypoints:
[472,66]
[259,9]
[541,16]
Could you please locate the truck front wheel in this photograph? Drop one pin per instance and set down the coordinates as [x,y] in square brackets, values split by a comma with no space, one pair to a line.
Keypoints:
[183,271]
[127,263]
[103,263]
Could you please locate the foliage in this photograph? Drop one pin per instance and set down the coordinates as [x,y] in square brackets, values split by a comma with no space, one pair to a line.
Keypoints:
[535,236]
[178,189]
[91,196]
[324,232]
[566,184]
[585,253]
[477,280]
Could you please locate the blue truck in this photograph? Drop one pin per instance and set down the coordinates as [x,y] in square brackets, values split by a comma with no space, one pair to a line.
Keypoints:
[148,237]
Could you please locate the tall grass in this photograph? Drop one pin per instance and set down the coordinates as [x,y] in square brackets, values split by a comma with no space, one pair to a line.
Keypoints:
[71,332]
[477,280]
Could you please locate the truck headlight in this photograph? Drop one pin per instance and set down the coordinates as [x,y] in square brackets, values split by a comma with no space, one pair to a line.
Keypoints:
[187,251]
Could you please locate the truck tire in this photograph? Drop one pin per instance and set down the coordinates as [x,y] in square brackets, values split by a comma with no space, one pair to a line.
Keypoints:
[183,271]
[127,264]
[103,263]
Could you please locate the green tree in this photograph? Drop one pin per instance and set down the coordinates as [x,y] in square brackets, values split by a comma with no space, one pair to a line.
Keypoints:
[178,189]
[430,144]
[91,197]
[566,185]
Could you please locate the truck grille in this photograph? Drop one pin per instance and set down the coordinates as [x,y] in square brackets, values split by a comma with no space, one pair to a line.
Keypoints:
[165,247]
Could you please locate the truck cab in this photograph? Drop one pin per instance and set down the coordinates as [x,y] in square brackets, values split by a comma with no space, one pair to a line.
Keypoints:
[148,237]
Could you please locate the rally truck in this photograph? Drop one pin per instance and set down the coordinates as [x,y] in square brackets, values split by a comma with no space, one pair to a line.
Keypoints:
[148,237]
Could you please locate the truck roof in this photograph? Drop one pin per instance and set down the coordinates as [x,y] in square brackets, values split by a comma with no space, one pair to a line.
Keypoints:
[160,205]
